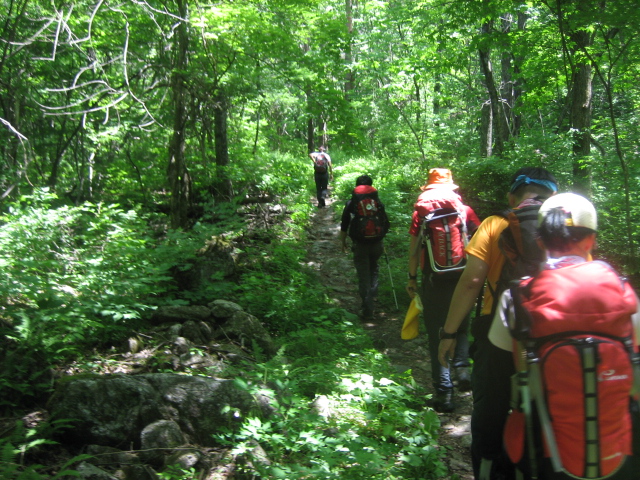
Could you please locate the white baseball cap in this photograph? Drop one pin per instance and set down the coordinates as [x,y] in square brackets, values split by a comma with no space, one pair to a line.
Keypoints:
[581,211]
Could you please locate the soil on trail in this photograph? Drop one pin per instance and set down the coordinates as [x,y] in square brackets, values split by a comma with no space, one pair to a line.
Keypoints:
[338,273]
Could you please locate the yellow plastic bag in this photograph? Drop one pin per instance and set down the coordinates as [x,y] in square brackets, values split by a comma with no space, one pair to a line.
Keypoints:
[411,323]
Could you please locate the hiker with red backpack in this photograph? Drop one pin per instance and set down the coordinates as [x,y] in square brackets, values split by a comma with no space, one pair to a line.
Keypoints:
[574,331]
[365,220]
[489,253]
[322,172]
[440,227]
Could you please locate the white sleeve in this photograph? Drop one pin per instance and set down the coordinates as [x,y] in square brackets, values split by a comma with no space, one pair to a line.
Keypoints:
[499,333]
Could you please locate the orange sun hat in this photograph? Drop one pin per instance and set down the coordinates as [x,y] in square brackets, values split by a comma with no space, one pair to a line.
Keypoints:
[440,177]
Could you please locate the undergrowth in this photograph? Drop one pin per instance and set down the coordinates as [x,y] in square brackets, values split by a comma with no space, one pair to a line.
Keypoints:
[77,278]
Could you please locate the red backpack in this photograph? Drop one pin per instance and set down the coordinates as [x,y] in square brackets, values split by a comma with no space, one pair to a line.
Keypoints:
[443,230]
[370,223]
[575,372]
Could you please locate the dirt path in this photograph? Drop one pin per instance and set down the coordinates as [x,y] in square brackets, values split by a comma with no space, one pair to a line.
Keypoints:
[337,271]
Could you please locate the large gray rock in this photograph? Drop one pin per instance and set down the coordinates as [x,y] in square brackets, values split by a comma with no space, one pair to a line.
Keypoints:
[181,314]
[246,329]
[114,410]
[224,309]
[87,471]
[159,437]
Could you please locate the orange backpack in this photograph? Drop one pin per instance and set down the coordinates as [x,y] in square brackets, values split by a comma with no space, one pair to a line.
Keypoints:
[575,370]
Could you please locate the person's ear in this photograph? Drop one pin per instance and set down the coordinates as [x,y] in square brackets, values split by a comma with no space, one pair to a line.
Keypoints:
[588,243]
[511,200]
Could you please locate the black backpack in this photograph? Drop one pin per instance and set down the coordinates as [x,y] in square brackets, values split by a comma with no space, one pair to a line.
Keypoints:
[320,163]
[522,255]
[370,222]
[518,244]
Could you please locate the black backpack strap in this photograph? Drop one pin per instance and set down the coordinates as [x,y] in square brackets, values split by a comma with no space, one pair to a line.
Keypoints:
[521,328]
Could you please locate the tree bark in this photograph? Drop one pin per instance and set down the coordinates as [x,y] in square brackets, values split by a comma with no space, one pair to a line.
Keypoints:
[496,145]
[220,129]
[581,92]
[348,56]
[179,180]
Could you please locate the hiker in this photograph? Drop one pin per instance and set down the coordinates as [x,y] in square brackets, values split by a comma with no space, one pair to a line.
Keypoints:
[437,285]
[492,367]
[595,310]
[365,220]
[322,172]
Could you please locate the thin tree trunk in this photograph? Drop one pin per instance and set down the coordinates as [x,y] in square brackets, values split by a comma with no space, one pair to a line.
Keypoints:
[310,137]
[221,131]
[179,181]
[348,56]
[494,98]
[580,92]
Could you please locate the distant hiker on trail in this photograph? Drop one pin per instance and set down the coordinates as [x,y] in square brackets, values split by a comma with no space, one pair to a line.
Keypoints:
[322,171]
[577,325]
[365,220]
[440,218]
[489,253]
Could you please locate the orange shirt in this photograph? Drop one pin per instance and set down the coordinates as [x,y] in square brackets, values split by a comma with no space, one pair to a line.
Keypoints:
[484,245]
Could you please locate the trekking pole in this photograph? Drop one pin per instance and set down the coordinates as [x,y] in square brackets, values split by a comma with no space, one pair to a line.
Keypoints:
[393,289]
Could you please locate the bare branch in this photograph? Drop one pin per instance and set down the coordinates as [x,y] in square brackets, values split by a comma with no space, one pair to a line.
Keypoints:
[12,129]
[126,72]
[86,111]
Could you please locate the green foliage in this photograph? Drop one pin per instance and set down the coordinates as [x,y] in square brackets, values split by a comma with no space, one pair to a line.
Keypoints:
[70,278]
[277,289]
[364,425]
[73,275]
[22,441]
[176,472]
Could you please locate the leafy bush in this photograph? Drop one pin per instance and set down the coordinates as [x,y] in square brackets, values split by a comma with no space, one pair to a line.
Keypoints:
[72,275]
[366,425]
[21,441]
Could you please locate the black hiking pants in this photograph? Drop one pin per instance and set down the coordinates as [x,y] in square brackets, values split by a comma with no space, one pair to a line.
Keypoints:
[322,186]
[365,259]
[436,293]
[491,386]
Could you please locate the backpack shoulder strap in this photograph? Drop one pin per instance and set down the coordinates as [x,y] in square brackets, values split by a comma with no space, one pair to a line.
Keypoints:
[522,325]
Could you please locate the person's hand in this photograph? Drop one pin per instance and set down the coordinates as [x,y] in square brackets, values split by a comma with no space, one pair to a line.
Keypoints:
[412,288]
[446,350]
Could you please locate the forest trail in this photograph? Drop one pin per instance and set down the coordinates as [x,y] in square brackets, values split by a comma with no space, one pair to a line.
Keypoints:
[338,274]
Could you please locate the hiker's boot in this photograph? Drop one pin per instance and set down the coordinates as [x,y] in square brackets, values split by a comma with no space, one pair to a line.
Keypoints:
[464,379]
[443,402]
[366,314]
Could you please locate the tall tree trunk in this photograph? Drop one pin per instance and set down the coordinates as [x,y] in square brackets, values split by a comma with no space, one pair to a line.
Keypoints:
[179,181]
[497,116]
[310,127]
[325,136]
[581,92]
[220,116]
[511,88]
[311,145]
[486,130]
[348,55]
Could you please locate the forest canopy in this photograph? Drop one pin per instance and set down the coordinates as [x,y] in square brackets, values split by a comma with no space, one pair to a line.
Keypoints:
[166,104]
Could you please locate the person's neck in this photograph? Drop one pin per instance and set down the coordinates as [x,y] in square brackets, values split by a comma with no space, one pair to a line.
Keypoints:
[515,202]
[575,251]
